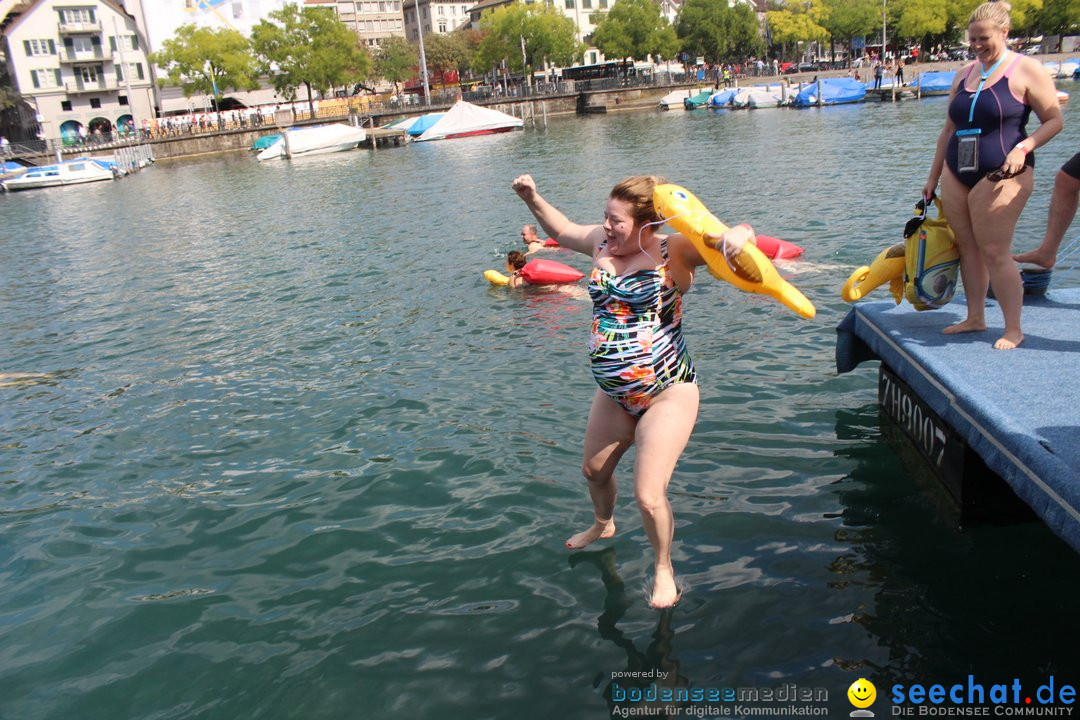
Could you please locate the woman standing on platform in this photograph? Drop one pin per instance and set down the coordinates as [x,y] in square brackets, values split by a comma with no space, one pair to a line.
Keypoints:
[982,159]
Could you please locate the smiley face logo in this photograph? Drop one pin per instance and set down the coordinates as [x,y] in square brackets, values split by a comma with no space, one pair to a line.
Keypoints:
[862,693]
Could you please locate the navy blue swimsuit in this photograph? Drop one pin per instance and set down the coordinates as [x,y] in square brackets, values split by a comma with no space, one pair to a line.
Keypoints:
[1001,118]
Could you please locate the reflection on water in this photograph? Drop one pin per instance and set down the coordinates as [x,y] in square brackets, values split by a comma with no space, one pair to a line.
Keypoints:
[273,447]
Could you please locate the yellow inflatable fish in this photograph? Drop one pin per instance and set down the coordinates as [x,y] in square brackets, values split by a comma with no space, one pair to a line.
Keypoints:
[887,267]
[496,278]
[749,271]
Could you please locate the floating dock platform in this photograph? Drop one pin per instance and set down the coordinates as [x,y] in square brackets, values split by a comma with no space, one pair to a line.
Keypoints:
[975,412]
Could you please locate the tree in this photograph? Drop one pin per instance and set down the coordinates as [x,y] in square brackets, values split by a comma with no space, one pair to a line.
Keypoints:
[308,46]
[719,33]
[207,62]
[1058,17]
[918,18]
[635,29]
[523,36]
[396,60]
[444,53]
[786,26]
[847,19]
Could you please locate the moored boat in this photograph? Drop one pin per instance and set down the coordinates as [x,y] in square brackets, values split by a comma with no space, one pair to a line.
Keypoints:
[466,120]
[69,172]
[314,140]
[834,91]
[934,83]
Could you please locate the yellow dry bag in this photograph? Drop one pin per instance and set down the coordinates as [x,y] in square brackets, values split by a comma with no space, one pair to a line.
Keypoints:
[931,260]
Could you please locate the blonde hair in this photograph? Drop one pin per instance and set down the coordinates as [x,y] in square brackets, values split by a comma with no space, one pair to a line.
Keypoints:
[995,11]
[637,192]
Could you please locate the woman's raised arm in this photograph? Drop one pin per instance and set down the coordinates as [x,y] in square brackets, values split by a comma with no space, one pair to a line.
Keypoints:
[580,238]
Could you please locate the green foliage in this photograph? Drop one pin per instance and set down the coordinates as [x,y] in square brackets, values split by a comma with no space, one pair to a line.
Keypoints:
[719,33]
[9,96]
[850,18]
[917,18]
[545,33]
[786,26]
[310,47]
[396,60]
[207,62]
[444,53]
[635,29]
[1058,17]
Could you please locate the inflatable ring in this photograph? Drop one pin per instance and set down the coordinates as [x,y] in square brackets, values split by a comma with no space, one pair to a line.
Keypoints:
[750,270]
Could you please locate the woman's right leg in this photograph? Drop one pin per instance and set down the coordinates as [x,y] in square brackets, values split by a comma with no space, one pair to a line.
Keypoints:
[608,435]
[973,272]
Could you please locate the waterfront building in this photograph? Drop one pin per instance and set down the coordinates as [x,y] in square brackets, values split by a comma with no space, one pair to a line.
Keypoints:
[371,20]
[80,65]
[435,16]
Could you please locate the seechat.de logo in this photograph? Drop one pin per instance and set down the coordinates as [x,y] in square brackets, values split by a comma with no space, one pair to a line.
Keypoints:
[862,694]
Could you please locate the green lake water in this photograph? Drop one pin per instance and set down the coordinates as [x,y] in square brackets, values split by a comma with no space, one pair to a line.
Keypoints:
[277,450]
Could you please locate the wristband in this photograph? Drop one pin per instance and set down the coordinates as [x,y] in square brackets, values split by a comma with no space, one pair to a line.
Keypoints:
[1022,147]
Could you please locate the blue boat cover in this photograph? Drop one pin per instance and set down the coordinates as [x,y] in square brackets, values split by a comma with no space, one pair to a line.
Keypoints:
[937,81]
[722,98]
[265,141]
[833,92]
[1011,407]
[423,122]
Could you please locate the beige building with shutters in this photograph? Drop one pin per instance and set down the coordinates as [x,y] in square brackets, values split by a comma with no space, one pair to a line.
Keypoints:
[79,64]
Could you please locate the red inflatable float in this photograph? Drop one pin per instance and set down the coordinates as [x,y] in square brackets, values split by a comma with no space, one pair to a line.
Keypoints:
[548,272]
[777,249]
[551,242]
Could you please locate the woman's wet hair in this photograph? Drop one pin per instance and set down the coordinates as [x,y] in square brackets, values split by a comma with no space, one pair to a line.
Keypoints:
[995,11]
[515,259]
[637,192]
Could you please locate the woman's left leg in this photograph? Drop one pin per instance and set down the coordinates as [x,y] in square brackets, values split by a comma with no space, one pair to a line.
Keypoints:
[661,436]
[1000,205]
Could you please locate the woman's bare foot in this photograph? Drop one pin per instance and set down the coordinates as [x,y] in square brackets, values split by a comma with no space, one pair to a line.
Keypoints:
[1009,340]
[665,593]
[1040,257]
[600,530]
[964,327]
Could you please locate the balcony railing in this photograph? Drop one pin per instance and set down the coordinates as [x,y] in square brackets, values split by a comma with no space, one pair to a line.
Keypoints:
[76,27]
[74,56]
[83,86]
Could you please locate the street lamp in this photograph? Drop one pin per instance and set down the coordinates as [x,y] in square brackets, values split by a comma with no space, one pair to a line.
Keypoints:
[884,14]
[423,58]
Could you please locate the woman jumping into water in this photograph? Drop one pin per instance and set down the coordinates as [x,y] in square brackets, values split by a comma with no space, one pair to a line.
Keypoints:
[647,393]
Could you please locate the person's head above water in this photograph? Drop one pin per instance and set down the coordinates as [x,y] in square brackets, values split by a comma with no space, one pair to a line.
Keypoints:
[528,234]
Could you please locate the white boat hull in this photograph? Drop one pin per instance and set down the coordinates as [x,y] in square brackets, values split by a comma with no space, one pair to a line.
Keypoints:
[315,140]
[71,172]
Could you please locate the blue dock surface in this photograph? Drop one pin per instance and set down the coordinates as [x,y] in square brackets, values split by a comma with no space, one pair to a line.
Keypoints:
[1019,410]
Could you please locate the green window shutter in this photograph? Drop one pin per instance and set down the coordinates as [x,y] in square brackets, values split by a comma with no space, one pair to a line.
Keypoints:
[33,76]
[59,78]
[112,43]
[138,68]
[119,73]
[26,46]
[134,42]
[52,47]
[69,44]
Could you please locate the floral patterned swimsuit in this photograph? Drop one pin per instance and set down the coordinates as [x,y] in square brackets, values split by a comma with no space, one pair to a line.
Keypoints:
[637,347]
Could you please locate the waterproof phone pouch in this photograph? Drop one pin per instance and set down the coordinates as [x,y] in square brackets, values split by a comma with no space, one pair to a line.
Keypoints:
[967,150]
